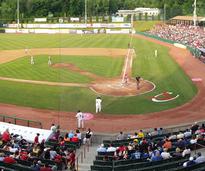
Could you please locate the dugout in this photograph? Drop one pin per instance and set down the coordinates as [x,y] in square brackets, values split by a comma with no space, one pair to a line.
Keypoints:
[202,54]
[186,20]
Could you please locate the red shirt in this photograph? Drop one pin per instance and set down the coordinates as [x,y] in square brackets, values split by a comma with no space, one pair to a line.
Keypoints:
[45,169]
[36,140]
[6,136]
[9,160]
[23,155]
[75,139]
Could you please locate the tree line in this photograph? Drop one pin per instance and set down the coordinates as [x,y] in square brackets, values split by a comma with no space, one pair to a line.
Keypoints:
[75,8]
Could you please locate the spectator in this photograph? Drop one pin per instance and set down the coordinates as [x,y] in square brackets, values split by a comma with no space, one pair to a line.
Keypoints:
[167,144]
[53,128]
[156,157]
[75,138]
[35,166]
[199,158]
[187,133]
[101,148]
[186,151]
[111,148]
[177,153]
[79,135]
[2,156]
[154,132]
[36,139]
[6,136]
[140,134]
[9,160]
[71,134]
[165,154]
[121,136]
[88,137]
[189,163]
[66,138]
[180,135]
[194,127]
[45,168]
[71,159]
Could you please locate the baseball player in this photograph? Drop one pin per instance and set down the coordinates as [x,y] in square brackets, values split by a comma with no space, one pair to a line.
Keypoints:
[80,119]
[155,53]
[49,61]
[26,51]
[138,82]
[126,79]
[98,105]
[32,60]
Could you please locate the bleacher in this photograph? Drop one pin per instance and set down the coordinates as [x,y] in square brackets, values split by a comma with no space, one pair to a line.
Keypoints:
[45,135]
[106,161]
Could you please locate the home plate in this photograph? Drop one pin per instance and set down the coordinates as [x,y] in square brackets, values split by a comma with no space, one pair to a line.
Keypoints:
[197,79]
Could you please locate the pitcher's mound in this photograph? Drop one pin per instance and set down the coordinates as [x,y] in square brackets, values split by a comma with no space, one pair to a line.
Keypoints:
[117,88]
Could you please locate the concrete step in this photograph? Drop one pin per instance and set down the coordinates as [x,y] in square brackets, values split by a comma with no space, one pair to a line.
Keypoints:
[89,158]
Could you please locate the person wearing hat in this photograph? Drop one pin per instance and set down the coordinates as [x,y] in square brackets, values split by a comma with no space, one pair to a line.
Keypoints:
[101,148]
[80,119]
[199,158]
[138,79]
[36,139]
[2,155]
[98,104]
[189,163]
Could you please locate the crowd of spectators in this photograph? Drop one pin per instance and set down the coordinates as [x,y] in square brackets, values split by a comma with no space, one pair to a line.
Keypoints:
[193,36]
[153,146]
[15,149]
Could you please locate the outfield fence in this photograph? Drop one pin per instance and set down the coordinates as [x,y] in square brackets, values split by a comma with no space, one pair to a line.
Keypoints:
[20,121]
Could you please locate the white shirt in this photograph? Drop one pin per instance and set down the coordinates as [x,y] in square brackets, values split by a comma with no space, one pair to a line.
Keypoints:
[98,102]
[165,155]
[185,152]
[111,149]
[80,116]
[187,134]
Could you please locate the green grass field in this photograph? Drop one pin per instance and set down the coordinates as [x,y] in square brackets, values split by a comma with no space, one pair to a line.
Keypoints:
[22,69]
[163,71]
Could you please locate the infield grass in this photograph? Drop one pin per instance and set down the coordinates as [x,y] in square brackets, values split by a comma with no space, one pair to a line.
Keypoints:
[22,69]
[163,71]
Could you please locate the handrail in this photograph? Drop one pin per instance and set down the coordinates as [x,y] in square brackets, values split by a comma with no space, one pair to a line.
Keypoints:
[82,155]
[15,119]
[195,146]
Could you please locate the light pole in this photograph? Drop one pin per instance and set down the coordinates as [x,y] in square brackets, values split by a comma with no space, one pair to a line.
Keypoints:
[18,14]
[86,13]
[194,13]
[165,13]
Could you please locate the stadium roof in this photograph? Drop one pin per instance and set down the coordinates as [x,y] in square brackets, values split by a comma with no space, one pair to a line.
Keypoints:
[188,18]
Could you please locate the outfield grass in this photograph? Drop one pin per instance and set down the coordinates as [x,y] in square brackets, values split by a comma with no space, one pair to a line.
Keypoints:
[26,41]
[143,26]
[163,71]
[22,69]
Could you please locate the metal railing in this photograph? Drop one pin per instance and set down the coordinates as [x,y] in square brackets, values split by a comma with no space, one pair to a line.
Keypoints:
[20,121]
[82,155]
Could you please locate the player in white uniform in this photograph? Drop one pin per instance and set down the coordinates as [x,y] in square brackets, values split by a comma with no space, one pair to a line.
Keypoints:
[49,60]
[156,53]
[98,102]
[80,119]
[32,60]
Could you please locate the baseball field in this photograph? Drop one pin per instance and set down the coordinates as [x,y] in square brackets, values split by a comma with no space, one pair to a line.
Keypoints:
[78,62]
